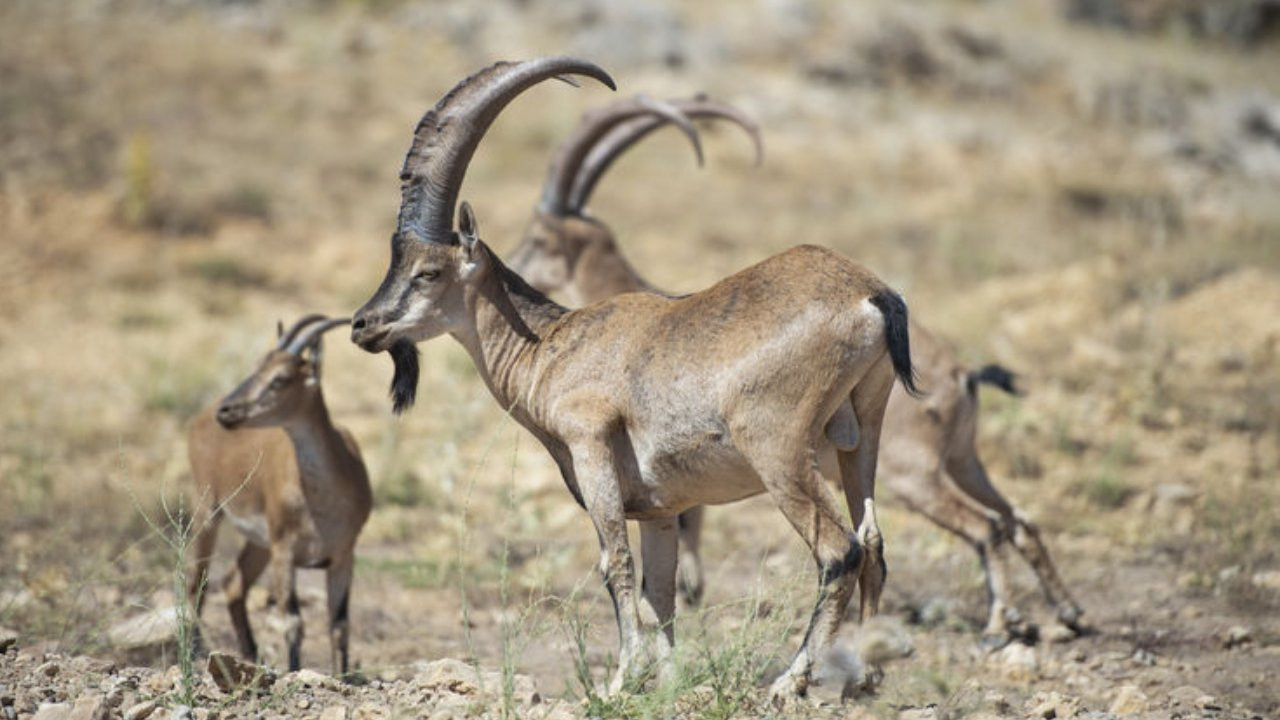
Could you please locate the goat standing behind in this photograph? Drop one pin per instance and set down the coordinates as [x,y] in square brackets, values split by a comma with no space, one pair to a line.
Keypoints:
[268,458]
[929,458]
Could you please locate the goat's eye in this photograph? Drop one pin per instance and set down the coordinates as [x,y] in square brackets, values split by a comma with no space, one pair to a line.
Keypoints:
[426,275]
[278,383]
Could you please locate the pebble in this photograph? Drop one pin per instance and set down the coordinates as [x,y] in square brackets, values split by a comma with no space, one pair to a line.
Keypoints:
[1053,706]
[1236,636]
[53,711]
[1269,580]
[1129,700]
[1019,662]
[91,706]
[141,711]
[8,639]
[334,712]
[49,669]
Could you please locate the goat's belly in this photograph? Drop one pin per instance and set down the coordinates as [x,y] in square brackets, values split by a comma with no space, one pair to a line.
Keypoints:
[672,483]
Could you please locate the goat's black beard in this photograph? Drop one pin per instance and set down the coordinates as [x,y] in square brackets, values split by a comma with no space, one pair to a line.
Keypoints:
[404,384]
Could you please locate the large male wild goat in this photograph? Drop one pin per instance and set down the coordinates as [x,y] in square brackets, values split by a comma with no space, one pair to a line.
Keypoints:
[652,405]
[268,458]
[929,457]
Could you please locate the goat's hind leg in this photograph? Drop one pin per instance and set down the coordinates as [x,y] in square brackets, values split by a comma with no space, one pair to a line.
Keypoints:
[658,588]
[249,566]
[801,494]
[971,477]
[690,580]
[858,480]
[338,577]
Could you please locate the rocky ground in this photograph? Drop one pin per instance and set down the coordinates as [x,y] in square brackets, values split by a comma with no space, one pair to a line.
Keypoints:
[1092,205]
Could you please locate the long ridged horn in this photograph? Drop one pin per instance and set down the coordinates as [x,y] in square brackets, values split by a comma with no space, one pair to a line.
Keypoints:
[294,329]
[608,149]
[594,126]
[313,333]
[447,136]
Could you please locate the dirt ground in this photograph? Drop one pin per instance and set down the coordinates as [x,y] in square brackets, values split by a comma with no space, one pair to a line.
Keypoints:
[1093,207]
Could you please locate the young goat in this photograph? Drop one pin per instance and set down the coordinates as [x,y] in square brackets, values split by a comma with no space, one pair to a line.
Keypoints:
[653,405]
[268,458]
[928,459]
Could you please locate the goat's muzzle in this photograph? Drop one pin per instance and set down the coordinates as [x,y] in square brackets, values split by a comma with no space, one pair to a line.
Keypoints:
[230,416]
[369,335]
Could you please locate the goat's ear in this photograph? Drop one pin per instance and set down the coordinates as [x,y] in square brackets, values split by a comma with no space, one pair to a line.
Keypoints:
[317,353]
[279,329]
[468,230]
[475,260]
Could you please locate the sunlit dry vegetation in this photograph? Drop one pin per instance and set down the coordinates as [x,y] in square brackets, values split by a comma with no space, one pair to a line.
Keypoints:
[1094,208]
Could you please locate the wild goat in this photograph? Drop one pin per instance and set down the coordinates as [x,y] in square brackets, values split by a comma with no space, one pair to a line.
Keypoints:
[929,458]
[268,457]
[652,405]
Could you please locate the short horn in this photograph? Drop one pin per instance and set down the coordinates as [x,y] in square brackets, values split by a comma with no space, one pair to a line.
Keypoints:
[313,333]
[447,136]
[294,329]
[594,126]
[613,145]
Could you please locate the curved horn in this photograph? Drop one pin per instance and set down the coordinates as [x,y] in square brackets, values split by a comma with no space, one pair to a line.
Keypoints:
[294,329]
[313,333]
[623,137]
[447,136]
[594,126]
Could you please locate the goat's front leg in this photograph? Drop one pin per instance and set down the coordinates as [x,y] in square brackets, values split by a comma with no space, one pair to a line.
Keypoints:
[339,596]
[596,475]
[284,595]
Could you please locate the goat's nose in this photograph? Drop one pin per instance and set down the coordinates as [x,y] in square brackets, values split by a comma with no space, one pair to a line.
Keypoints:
[358,323]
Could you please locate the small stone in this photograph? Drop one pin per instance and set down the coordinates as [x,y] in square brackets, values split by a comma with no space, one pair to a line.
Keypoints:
[1019,662]
[90,707]
[8,639]
[928,712]
[307,677]
[49,669]
[303,703]
[181,712]
[115,695]
[1057,633]
[1129,700]
[1269,580]
[1142,656]
[141,711]
[334,712]
[448,675]
[230,673]
[372,711]
[1236,636]
[1052,706]
[998,703]
[53,711]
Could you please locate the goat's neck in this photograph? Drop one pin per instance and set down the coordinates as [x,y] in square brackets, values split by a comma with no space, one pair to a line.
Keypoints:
[603,273]
[508,320]
[325,464]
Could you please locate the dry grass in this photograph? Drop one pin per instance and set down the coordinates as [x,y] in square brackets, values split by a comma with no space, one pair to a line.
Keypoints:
[174,179]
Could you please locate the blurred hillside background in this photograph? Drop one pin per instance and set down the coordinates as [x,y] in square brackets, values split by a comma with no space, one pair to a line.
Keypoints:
[1087,191]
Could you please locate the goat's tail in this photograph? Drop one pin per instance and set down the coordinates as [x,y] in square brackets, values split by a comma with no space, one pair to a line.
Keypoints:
[994,374]
[894,309]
